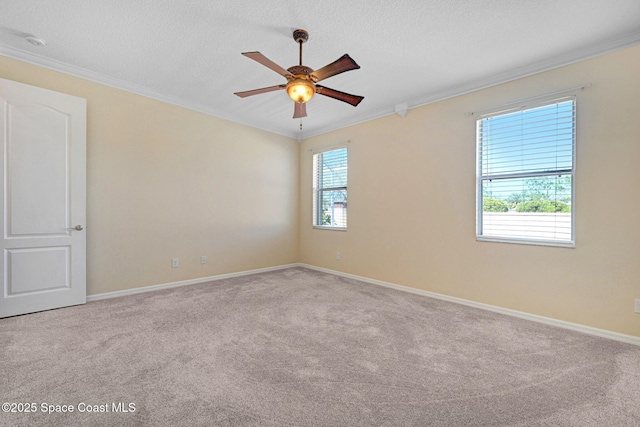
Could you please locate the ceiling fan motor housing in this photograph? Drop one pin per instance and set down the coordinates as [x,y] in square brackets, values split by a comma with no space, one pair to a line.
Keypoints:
[302,72]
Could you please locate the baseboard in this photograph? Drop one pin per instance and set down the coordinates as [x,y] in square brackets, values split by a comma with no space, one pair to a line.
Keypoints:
[151,288]
[629,339]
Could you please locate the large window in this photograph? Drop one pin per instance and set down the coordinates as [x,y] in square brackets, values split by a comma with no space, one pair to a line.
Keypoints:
[525,174]
[330,189]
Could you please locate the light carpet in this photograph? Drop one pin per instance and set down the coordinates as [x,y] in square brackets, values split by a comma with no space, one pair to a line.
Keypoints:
[298,347]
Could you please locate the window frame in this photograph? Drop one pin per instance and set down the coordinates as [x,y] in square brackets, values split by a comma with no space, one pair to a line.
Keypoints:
[481,178]
[318,192]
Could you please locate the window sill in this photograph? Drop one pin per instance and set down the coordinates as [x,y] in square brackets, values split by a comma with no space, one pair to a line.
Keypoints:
[555,243]
[324,227]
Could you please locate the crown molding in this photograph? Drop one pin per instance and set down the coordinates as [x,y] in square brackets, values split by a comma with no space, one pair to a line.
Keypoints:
[102,79]
[507,76]
[529,70]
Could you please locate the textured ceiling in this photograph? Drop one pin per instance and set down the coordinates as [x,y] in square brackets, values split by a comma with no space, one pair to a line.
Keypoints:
[410,51]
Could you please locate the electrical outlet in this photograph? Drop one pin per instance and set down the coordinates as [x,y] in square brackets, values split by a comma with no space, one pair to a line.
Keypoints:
[175,263]
[338,255]
[203,260]
[637,306]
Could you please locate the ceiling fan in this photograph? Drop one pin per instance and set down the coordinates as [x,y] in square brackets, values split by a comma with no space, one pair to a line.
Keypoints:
[302,81]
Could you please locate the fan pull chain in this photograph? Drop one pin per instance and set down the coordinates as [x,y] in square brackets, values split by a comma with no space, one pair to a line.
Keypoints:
[300,124]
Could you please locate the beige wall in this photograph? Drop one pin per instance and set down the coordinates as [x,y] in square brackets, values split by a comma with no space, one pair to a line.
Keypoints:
[164,182]
[412,203]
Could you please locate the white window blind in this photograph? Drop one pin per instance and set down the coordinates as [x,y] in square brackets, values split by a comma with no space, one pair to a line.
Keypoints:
[330,189]
[525,174]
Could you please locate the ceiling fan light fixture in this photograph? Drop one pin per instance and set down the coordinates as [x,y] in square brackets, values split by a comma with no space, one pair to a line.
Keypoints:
[300,90]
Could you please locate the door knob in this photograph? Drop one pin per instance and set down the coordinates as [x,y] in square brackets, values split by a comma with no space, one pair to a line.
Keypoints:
[77,227]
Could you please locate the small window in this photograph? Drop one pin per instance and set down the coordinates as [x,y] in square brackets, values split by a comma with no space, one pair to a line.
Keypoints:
[525,174]
[330,189]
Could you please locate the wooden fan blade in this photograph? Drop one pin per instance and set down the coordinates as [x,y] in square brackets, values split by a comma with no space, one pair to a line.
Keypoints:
[299,110]
[344,63]
[341,96]
[258,57]
[257,91]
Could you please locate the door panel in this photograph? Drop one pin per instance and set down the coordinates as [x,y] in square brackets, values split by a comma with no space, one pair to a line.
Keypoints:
[43,189]
[37,164]
[22,278]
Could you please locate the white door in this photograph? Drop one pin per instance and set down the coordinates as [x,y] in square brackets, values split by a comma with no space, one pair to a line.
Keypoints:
[43,190]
